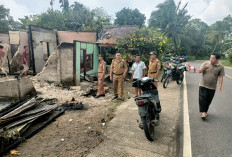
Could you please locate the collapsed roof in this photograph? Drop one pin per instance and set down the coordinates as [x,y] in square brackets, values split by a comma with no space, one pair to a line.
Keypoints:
[110,34]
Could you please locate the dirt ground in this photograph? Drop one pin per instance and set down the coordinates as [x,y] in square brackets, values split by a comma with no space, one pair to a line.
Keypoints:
[76,132]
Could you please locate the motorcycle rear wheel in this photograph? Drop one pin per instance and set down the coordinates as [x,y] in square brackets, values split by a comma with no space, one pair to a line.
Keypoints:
[148,128]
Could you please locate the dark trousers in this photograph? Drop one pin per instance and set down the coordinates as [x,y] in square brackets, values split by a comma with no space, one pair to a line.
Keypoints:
[205,98]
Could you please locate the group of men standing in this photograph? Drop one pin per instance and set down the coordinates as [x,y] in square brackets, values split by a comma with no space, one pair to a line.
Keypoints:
[211,71]
[118,71]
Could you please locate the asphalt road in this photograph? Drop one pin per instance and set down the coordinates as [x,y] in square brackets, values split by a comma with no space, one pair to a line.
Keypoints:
[211,137]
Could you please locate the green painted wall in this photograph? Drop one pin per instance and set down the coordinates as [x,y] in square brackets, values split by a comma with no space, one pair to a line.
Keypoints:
[90,49]
[78,60]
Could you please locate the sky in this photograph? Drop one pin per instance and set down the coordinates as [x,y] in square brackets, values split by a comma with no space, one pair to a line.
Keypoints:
[208,11]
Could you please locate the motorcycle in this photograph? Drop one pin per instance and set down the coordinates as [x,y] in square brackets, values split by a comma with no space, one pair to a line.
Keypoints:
[167,67]
[164,74]
[175,73]
[148,107]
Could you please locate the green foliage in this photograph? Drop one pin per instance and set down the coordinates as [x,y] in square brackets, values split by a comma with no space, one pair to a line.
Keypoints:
[226,63]
[50,19]
[229,52]
[163,15]
[4,13]
[76,17]
[144,41]
[64,5]
[128,16]
[219,35]
[194,39]
[171,19]
[96,20]
[6,21]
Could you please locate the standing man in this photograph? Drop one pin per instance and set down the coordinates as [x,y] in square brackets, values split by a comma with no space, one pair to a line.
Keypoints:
[25,59]
[138,71]
[118,71]
[101,77]
[211,71]
[154,67]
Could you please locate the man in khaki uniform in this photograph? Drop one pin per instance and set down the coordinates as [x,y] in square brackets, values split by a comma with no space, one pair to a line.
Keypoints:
[118,71]
[101,77]
[154,67]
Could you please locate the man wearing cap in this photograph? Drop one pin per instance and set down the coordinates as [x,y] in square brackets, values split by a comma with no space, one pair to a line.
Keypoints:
[154,67]
[153,71]
[118,71]
[101,76]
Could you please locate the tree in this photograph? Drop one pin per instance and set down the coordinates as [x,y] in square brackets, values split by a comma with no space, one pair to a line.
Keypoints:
[96,19]
[218,32]
[130,17]
[194,38]
[50,19]
[6,21]
[171,19]
[144,41]
[76,16]
[164,14]
[64,5]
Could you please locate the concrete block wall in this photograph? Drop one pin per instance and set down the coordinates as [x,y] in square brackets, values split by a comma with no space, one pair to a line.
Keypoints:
[38,37]
[49,72]
[9,89]
[15,89]
[66,65]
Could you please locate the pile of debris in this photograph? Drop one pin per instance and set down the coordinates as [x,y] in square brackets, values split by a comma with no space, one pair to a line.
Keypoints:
[21,120]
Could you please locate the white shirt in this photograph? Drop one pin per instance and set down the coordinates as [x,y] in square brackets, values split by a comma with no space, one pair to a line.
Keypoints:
[138,69]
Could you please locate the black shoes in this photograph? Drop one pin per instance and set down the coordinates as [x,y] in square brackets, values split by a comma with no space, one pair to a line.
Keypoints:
[97,96]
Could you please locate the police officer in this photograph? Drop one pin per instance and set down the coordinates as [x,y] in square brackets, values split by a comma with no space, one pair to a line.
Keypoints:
[118,71]
[101,76]
[153,71]
[154,67]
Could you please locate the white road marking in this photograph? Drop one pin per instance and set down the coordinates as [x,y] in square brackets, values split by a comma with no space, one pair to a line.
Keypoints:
[187,148]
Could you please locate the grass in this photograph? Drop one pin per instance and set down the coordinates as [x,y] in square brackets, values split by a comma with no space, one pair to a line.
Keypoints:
[226,63]
[193,58]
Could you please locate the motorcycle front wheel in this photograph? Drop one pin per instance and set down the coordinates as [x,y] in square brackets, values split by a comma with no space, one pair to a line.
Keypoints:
[163,77]
[166,81]
[148,128]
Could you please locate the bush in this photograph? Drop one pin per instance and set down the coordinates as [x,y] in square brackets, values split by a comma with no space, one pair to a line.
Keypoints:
[191,58]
